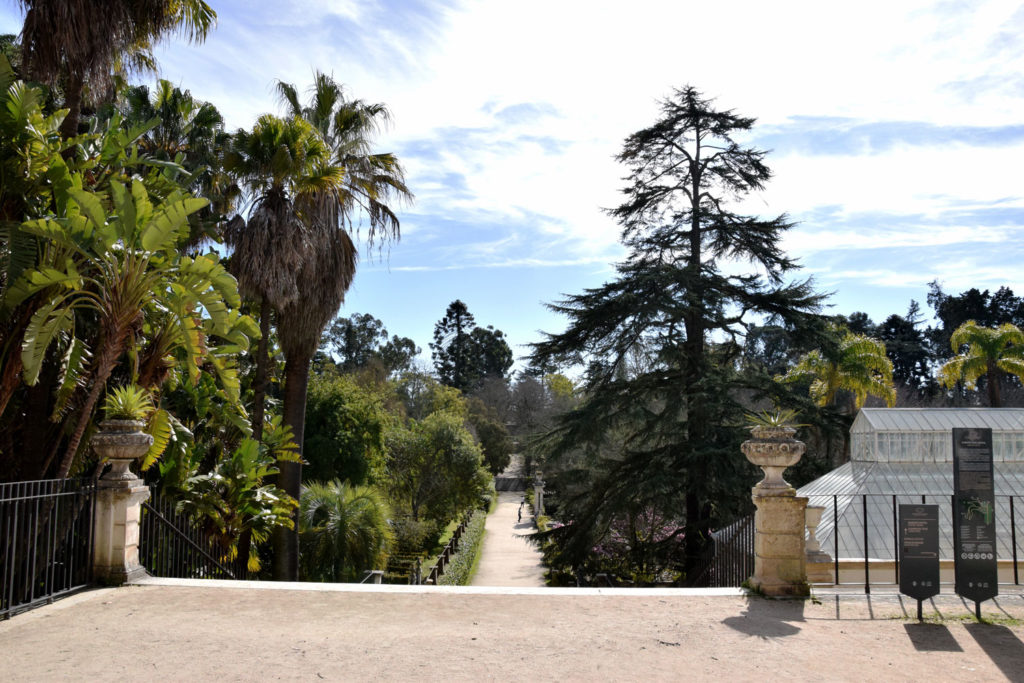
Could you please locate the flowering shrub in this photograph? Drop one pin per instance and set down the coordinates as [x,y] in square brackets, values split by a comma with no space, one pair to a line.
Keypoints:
[641,547]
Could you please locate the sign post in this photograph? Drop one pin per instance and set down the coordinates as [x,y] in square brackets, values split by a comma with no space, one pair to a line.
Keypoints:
[974,522]
[919,552]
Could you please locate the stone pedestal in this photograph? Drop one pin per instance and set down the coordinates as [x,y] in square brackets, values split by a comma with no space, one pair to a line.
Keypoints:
[779,547]
[119,498]
[116,530]
[779,560]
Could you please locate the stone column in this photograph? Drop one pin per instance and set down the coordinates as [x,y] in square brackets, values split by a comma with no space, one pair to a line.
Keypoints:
[779,550]
[119,498]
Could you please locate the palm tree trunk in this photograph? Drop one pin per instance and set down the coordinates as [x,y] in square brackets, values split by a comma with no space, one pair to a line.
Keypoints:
[994,399]
[112,346]
[259,383]
[73,103]
[286,541]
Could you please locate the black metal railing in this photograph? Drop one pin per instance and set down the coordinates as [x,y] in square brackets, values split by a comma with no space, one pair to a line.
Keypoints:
[733,561]
[45,540]
[868,530]
[171,545]
[445,558]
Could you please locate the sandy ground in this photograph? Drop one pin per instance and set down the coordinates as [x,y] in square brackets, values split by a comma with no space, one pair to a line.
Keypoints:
[230,631]
[507,557]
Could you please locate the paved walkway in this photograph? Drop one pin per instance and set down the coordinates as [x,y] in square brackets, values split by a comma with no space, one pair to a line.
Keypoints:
[508,558]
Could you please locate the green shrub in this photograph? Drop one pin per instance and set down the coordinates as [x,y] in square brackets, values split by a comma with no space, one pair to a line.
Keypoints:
[460,570]
[415,536]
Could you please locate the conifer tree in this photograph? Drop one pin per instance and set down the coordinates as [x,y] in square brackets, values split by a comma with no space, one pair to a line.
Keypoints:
[661,341]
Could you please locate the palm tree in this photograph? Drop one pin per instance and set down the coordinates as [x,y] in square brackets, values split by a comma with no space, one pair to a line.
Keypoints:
[328,264]
[191,133]
[344,530]
[73,42]
[279,163]
[989,353]
[857,364]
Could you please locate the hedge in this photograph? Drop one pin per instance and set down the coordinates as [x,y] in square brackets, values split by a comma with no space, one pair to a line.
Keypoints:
[460,569]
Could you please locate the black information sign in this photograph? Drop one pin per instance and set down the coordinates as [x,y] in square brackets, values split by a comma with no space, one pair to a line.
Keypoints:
[974,515]
[919,551]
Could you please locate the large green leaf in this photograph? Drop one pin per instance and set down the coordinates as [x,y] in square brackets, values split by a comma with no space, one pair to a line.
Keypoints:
[160,429]
[91,207]
[162,231]
[71,375]
[48,322]
[124,205]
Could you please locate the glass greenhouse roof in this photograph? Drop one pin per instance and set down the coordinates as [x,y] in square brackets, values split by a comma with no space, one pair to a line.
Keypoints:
[878,488]
[937,419]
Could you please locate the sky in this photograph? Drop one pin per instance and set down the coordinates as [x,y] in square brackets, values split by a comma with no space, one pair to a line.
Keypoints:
[896,132]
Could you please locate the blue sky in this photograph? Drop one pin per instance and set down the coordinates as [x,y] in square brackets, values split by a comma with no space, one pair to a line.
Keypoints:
[896,131]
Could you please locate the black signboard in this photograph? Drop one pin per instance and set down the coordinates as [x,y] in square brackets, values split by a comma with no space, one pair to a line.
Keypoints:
[974,515]
[919,551]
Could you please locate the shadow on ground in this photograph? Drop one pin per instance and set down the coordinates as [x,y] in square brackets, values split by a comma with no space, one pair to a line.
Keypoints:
[766,619]
[932,638]
[1002,646]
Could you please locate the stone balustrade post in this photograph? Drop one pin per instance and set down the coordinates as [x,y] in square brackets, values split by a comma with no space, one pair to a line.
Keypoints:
[119,499]
[780,519]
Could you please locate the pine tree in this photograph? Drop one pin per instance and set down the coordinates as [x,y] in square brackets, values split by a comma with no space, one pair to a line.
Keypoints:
[452,345]
[465,354]
[663,339]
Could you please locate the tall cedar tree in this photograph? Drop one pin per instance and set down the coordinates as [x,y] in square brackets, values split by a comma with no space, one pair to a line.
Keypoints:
[676,415]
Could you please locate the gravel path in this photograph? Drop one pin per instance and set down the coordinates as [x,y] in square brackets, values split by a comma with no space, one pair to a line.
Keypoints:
[508,558]
[234,631]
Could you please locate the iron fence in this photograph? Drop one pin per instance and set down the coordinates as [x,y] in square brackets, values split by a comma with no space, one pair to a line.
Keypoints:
[45,540]
[733,560]
[171,545]
[864,529]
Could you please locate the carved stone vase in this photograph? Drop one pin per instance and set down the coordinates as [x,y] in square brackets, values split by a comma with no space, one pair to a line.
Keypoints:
[773,449]
[121,442]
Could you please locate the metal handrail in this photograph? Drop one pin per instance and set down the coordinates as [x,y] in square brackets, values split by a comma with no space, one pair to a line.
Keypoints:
[178,533]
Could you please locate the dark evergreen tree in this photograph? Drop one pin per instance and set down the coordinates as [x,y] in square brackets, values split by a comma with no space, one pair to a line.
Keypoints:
[465,354]
[906,347]
[492,354]
[452,347]
[859,322]
[952,311]
[674,418]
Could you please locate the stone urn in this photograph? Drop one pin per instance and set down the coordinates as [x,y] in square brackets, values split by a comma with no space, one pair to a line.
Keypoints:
[813,519]
[120,442]
[773,449]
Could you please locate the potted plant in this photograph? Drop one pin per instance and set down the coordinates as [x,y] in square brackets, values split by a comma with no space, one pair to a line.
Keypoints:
[773,448]
[121,439]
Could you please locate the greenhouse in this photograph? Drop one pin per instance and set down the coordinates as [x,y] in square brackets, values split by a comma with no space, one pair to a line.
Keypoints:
[905,455]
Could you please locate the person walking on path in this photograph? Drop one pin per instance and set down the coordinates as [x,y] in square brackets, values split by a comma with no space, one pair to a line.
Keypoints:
[507,557]
[520,517]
